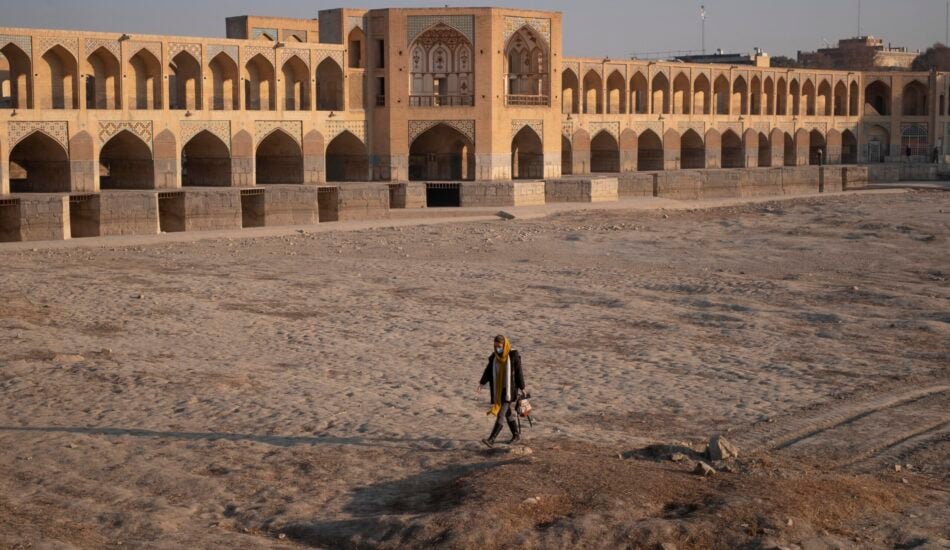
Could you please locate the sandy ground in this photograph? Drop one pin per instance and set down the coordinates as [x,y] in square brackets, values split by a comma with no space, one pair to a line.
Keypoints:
[319,389]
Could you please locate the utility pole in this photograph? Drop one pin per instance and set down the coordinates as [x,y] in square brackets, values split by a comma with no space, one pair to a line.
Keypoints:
[702,15]
[859,18]
[946,40]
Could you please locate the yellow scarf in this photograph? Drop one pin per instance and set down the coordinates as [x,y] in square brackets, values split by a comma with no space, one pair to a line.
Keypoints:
[501,377]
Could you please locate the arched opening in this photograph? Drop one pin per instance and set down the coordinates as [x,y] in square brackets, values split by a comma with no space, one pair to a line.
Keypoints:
[877,98]
[914,142]
[147,91]
[841,99]
[692,151]
[661,94]
[593,100]
[39,164]
[296,78]
[329,86]
[205,161]
[849,148]
[569,92]
[769,107]
[722,95]
[795,93]
[616,93]
[442,153]
[184,83]
[791,155]
[755,96]
[733,153]
[740,96]
[441,72]
[347,159]
[355,43]
[102,80]
[765,151]
[58,71]
[914,99]
[808,90]
[225,91]
[259,84]
[125,162]
[681,97]
[527,155]
[527,74]
[853,99]
[567,156]
[19,91]
[604,153]
[824,102]
[879,144]
[649,152]
[701,95]
[639,94]
[817,151]
[942,106]
[781,98]
[279,160]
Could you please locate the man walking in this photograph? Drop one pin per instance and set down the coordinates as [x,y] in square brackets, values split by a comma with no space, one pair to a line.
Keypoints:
[505,379]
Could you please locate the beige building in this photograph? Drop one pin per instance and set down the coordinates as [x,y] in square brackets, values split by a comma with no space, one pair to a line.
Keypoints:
[441,94]
[862,53]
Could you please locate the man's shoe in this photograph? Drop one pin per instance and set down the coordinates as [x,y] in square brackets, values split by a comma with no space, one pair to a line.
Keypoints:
[489,443]
[515,439]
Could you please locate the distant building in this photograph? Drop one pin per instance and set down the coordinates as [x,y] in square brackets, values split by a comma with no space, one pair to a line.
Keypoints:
[861,53]
[756,59]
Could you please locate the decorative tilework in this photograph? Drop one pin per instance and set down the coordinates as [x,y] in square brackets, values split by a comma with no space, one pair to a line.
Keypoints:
[71,45]
[22,42]
[541,26]
[612,128]
[655,126]
[219,128]
[112,46]
[763,127]
[354,22]
[698,127]
[574,67]
[417,24]
[264,128]
[287,53]
[786,127]
[567,129]
[842,126]
[337,127]
[19,130]
[251,51]
[175,48]
[336,55]
[536,125]
[820,126]
[257,32]
[418,127]
[154,48]
[726,126]
[231,51]
[142,129]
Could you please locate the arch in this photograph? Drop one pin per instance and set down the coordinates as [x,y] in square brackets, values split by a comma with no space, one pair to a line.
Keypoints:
[616,93]
[20,77]
[329,86]
[593,95]
[841,99]
[879,143]
[853,100]
[660,94]
[570,88]
[296,77]
[225,91]
[817,148]
[527,155]
[259,84]
[781,97]
[692,150]
[347,159]
[733,152]
[722,95]
[755,96]
[702,103]
[791,153]
[356,41]
[914,99]
[205,161]
[795,95]
[914,142]
[39,164]
[147,91]
[877,97]
[824,102]
[604,153]
[527,54]
[681,96]
[60,75]
[441,69]
[849,147]
[649,152]
[808,92]
[184,82]
[740,96]
[102,80]
[442,153]
[125,162]
[765,151]
[769,99]
[567,156]
[279,159]
[639,94]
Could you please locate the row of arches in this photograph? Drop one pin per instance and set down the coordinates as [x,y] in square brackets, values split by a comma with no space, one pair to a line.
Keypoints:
[757,96]
[58,78]
[39,163]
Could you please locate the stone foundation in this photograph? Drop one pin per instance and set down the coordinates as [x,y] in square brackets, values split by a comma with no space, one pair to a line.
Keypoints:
[604,189]
[680,185]
[128,213]
[855,177]
[210,209]
[407,195]
[636,184]
[761,182]
[290,205]
[362,201]
[44,218]
[800,180]
[501,194]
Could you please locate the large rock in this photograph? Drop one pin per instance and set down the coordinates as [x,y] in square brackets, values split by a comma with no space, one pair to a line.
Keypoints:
[704,469]
[720,449]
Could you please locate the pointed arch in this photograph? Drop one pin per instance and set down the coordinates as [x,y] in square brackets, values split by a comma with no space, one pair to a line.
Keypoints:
[768,107]
[528,56]
[59,71]
[765,151]
[356,44]
[854,100]
[817,149]
[570,88]
[692,150]
[616,93]
[849,147]
[20,77]
[39,164]
[125,162]
[824,101]
[593,93]
[809,95]
[347,159]
[841,99]
[146,93]
[702,95]
[184,82]
[649,152]
[527,155]
[329,86]
[225,91]
[639,94]
[567,156]
[755,96]
[660,94]
[682,100]
[441,70]
[259,84]
[296,76]
[442,153]
[604,153]
[740,96]
[914,99]
[795,97]
[877,97]
[733,152]
[721,91]
[102,80]
[791,152]
[279,159]
[781,97]
[205,161]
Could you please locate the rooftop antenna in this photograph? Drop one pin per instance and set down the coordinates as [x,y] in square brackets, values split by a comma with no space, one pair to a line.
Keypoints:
[702,15]
[946,40]
[859,19]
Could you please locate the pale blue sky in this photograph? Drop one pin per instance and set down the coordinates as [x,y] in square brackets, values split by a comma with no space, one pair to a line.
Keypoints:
[593,27]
